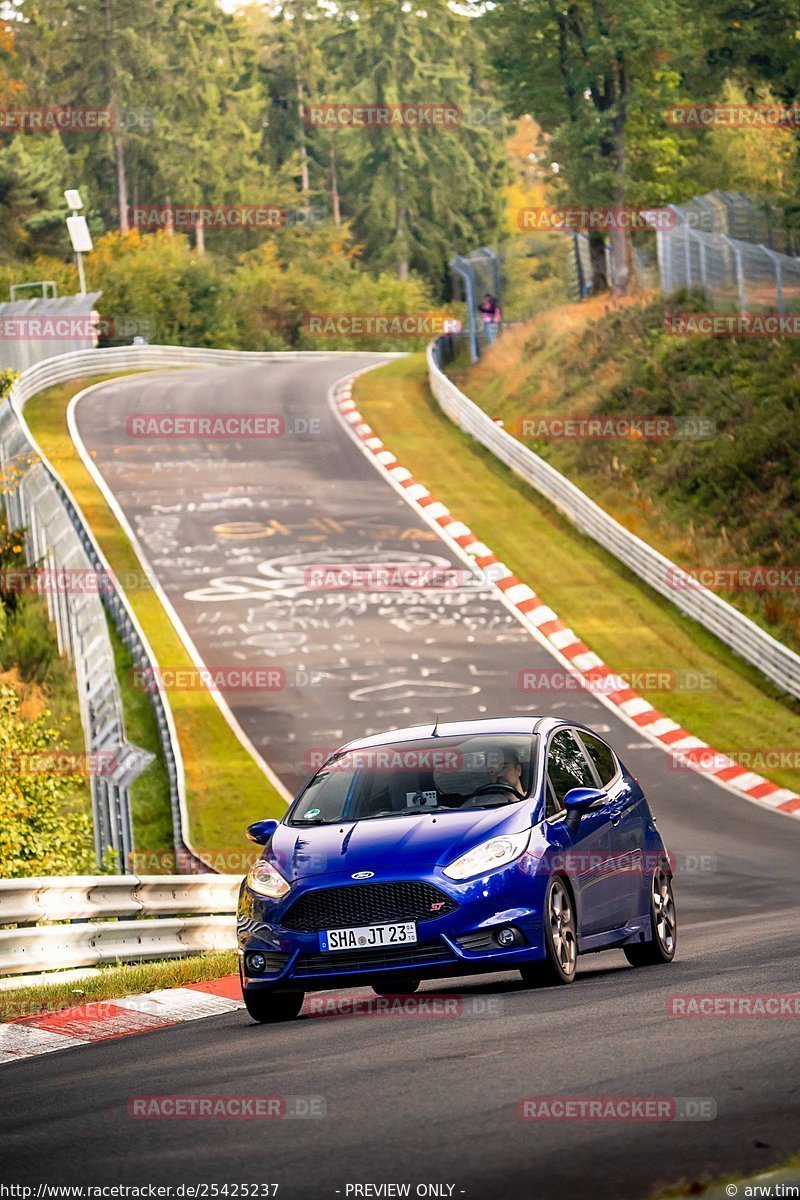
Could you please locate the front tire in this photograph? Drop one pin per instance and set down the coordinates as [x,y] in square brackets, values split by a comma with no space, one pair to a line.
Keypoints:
[268,1008]
[560,938]
[663,926]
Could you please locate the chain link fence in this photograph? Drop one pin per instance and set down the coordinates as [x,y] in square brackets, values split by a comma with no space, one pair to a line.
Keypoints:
[733,274]
[739,250]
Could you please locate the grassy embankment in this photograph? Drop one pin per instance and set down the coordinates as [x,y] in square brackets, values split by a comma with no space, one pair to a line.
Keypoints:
[631,627]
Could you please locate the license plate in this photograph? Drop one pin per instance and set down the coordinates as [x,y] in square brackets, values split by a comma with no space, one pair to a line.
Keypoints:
[369,937]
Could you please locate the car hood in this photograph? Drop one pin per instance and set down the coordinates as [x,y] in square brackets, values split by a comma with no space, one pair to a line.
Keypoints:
[419,842]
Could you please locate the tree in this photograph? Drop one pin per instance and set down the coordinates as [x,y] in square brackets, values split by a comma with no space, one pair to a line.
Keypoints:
[32,171]
[590,72]
[752,41]
[210,113]
[127,43]
[417,196]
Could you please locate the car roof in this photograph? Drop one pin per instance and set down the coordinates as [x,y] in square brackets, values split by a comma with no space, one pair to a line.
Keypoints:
[495,725]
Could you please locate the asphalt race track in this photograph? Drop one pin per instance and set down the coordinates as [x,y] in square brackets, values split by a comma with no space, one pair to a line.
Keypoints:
[230,529]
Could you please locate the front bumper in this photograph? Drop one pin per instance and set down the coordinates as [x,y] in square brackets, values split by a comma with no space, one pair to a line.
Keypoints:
[461,942]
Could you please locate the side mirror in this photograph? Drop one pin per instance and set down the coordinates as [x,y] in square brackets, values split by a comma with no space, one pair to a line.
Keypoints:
[579,799]
[261,831]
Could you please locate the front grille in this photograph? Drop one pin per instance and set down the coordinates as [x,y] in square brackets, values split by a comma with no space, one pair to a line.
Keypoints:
[343,961]
[366,904]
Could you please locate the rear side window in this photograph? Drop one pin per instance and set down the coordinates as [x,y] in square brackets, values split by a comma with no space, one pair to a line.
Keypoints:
[601,755]
[566,765]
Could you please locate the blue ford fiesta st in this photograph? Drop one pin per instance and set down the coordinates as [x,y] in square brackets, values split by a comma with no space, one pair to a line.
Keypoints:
[480,846]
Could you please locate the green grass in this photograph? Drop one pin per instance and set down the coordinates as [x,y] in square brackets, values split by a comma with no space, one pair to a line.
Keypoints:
[729,498]
[114,982]
[225,788]
[787,1171]
[626,623]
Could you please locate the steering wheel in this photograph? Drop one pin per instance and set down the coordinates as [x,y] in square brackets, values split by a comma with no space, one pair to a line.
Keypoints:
[496,787]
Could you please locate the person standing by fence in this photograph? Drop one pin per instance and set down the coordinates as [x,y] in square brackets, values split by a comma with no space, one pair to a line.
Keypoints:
[491,316]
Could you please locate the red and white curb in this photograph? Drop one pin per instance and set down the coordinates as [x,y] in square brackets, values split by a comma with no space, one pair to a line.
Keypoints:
[561,641]
[97,1021]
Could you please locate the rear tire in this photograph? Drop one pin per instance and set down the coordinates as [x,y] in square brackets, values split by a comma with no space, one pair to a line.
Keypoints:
[663,926]
[268,1008]
[402,986]
[560,938]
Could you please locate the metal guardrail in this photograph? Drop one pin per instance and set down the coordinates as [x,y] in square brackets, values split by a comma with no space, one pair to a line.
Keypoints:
[748,640]
[163,916]
[58,537]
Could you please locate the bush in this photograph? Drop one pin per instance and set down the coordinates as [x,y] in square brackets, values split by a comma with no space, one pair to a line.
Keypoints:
[42,830]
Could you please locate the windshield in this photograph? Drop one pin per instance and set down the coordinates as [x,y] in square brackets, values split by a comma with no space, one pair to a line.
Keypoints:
[430,775]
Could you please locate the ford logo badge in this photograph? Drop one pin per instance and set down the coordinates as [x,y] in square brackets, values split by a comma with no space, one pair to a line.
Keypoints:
[363,875]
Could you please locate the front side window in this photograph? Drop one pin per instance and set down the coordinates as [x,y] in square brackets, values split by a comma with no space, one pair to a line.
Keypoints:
[429,775]
[567,767]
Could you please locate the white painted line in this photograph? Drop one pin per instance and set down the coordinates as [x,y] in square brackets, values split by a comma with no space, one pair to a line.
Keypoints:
[23,1041]
[180,1004]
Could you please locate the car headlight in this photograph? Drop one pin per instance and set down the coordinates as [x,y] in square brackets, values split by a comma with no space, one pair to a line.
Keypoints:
[495,853]
[266,880]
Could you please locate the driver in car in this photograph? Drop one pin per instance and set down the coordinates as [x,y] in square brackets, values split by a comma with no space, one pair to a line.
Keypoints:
[508,771]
